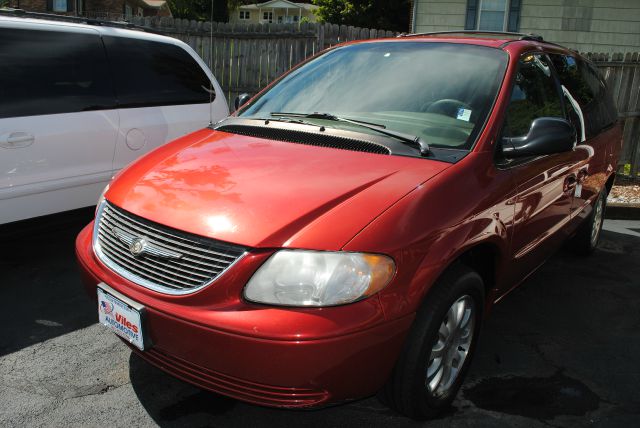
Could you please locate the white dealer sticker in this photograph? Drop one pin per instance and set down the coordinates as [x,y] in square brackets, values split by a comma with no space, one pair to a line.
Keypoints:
[463,114]
[121,318]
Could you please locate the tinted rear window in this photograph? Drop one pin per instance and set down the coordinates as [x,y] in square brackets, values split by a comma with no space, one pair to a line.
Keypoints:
[587,87]
[49,72]
[149,73]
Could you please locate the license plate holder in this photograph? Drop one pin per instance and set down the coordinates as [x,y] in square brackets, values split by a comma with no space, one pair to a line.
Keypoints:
[121,315]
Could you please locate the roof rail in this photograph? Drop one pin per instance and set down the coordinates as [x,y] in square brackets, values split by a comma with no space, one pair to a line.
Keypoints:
[520,36]
[75,19]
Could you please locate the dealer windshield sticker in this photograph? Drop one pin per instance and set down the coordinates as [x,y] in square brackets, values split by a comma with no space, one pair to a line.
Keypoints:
[120,318]
[463,114]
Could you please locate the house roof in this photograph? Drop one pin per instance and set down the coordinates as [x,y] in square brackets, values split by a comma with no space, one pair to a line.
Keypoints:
[279,4]
[154,4]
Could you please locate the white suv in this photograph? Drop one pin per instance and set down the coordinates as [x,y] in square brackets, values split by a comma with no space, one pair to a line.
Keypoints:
[79,102]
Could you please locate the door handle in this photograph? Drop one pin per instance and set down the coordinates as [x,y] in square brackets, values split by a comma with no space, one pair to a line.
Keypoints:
[582,174]
[570,183]
[16,140]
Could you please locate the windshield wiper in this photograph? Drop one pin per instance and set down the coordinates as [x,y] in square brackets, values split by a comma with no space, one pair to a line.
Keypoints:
[412,140]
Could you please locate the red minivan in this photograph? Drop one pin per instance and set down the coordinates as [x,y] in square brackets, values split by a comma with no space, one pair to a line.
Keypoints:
[348,229]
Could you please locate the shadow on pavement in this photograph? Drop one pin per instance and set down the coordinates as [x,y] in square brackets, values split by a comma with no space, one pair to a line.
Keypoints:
[40,287]
[572,332]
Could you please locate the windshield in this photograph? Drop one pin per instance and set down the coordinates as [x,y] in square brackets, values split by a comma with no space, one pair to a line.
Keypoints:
[440,92]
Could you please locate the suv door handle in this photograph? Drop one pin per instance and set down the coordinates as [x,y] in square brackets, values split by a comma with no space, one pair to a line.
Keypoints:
[16,140]
[582,174]
[570,183]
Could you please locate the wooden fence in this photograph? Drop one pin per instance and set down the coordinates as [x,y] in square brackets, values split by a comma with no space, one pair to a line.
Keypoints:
[247,57]
[622,73]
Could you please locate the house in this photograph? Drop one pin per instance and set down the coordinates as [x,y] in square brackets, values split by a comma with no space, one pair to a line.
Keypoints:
[274,11]
[584,25]
[116,10]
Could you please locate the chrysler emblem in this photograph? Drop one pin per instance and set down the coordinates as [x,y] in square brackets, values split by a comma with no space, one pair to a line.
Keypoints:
[137,246]
[140,246]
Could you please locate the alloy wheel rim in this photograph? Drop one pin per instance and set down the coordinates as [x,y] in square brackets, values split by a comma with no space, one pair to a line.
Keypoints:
[451,347]
[597,221]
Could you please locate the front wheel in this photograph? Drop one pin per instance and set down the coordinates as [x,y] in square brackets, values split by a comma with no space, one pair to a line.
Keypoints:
[587,237]
[439,347]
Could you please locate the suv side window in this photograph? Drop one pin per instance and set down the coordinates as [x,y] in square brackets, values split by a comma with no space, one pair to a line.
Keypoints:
[535,94]
[606,111]
[584,85]
[149,73]
[573,76]
[50,72]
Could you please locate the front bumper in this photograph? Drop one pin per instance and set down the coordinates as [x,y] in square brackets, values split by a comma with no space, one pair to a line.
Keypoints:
[269,356]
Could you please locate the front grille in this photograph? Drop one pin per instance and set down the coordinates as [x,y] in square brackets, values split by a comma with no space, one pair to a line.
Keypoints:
[168,260]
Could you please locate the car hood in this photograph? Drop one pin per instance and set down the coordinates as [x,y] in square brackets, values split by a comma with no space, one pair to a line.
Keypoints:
[264,193]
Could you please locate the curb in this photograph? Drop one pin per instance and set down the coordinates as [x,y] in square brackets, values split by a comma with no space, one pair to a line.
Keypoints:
[620,211]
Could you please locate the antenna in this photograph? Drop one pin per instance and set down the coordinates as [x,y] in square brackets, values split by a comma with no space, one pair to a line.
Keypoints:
[212,92]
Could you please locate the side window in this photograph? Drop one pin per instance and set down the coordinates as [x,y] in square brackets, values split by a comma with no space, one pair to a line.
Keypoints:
[606,111]
[50,72]
[572,75]
[148,73]
[535,94]
[583,85]
[575,90]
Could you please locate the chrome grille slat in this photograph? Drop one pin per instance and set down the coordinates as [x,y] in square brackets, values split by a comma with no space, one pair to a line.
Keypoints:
[162,238]
[148,261]
[222,266]
[162,235]
[139,270]
[175,262]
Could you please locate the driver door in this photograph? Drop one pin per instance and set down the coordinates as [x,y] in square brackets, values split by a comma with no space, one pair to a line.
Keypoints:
[545,184]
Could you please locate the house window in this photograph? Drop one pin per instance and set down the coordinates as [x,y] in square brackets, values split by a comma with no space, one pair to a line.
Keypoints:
[492,15]
[59,5]
[128,11]
[267,16]
[244,14]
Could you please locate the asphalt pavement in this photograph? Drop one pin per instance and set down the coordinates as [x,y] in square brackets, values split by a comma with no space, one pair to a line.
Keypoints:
[561,350]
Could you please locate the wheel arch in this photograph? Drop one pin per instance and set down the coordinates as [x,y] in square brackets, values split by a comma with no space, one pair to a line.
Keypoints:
[609,184]
[484,257]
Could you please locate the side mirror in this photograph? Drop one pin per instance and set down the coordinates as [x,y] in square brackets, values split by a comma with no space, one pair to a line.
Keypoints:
[547,135]
[241,100]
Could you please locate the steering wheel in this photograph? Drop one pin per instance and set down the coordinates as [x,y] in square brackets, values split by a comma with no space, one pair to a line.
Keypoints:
[448,107]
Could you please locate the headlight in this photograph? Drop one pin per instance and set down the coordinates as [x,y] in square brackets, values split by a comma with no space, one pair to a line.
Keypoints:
[318,278]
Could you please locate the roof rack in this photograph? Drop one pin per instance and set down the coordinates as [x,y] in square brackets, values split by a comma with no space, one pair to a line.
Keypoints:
[75,19]
[520,36]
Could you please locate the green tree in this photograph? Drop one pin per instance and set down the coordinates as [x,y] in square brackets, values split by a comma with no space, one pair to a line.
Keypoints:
[381,14]
[200,9]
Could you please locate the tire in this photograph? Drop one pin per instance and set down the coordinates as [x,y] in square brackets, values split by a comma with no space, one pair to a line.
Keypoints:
[411,389]
[586,239]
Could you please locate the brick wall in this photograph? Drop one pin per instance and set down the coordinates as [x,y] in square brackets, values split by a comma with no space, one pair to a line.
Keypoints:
[91,7]
[31,5]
